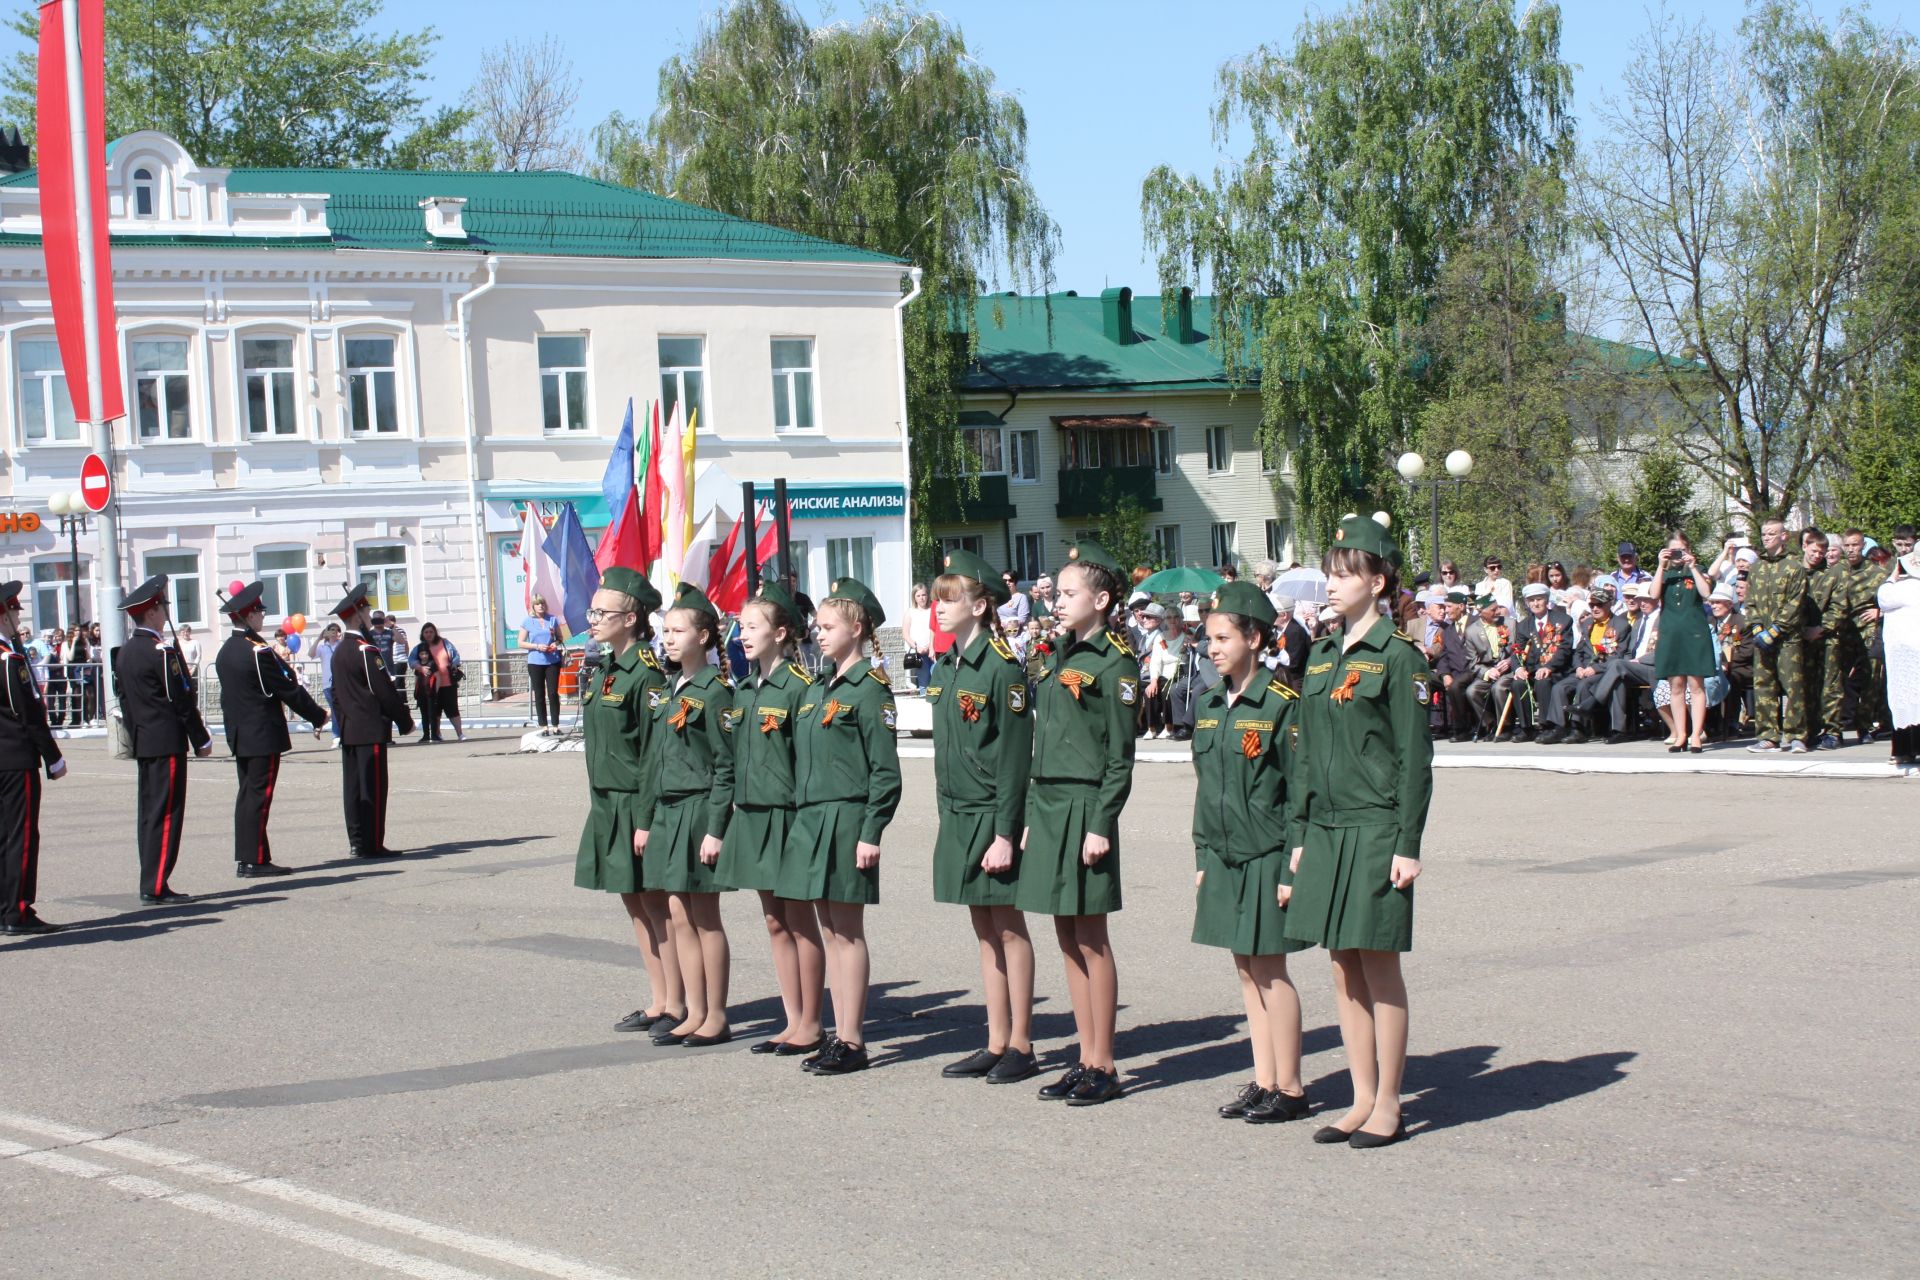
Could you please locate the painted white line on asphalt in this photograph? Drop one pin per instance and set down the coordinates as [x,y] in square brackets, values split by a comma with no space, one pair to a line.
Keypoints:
[525,1257]
[361,1251]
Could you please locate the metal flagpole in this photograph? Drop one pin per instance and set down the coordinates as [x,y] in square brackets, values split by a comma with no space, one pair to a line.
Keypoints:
[111,588]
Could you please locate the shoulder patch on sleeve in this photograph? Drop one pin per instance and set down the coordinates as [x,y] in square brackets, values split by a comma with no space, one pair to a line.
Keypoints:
[1283,689]
[1017,698]
[1129,691]
[889,715]
[800,671]
[1001,647]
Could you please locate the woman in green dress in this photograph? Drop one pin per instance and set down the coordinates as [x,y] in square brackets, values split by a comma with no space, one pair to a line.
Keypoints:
[1082,772]
[693,803]
[1685,656]
[1242,746]
[617,712]
[846,788]
[1362,780]
[765,716]
[982,753]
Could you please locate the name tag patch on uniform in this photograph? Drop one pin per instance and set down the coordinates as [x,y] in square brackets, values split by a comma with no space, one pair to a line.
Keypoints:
[1129,691]
[1016,698]
[1320,669]
[1264,726]
[613,699]
[1206,724]
[889,716]
[1371,668]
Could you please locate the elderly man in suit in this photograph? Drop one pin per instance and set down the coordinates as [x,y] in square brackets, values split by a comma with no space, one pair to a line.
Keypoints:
[1601,636]
[1492,661]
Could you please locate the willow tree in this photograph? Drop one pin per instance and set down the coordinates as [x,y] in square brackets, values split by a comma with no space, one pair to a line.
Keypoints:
[1375,142]
[884,134]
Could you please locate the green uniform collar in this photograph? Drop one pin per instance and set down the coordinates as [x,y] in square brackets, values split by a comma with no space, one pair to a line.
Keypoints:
[856,672]
[1376,637]
[707,675]
[631,658]
[975,654]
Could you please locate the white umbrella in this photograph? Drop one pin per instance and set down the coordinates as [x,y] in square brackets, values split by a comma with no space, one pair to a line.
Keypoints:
[1303,584]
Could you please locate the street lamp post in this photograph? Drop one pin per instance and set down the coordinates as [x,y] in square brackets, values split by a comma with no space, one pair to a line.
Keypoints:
[1412,467]
[72,510]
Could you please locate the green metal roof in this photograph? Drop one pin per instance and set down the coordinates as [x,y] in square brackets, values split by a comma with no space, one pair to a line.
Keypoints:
[511,213]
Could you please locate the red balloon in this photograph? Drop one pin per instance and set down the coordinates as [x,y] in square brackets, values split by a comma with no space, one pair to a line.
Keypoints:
[296,624]
[235,587]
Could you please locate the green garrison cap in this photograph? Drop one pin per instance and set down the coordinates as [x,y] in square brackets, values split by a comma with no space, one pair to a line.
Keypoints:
[855,590]
[688,596]
[1094,553]
[1246,600]
[1363,534]
[631,582]
[969,565]
[779,597]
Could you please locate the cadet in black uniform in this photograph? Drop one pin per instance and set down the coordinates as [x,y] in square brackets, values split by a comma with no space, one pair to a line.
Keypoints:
[162,718]
[369,705]
[255,686]
[25,744]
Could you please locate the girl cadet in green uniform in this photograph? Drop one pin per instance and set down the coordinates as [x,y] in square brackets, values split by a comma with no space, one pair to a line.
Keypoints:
[764,720]
[618,715]
[1362,777]
[982,753]
[693,802]
[1082,772]
[846,785]
[1242,747]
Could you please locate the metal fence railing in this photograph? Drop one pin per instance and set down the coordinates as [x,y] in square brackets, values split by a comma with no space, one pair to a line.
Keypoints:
[72,693]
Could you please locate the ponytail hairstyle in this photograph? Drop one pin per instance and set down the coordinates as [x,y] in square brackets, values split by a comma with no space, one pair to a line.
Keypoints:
[1100,578]
[779,619]
[958,586]
[850,611]
[1267,637]
[643,632]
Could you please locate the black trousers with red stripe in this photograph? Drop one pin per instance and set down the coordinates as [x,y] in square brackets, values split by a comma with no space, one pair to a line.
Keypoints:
[251,807]
[162,810]
[363,778]
[19,844]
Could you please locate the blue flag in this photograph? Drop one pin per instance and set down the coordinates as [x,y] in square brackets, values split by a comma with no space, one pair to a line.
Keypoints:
[617,482]
[566,546]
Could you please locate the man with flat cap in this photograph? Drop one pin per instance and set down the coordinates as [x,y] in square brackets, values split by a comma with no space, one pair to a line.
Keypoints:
[369,707]
[256,687]
[26,743]
[162,718]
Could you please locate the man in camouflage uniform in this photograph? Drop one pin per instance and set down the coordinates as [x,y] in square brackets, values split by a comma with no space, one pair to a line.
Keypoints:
[1777,610]
[1853,679]
[1821,633]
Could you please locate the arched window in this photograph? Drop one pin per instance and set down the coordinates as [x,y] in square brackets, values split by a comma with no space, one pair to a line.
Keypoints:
[145,193]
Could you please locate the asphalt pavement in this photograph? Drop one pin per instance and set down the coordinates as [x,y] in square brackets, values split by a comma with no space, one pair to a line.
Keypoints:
[1661,1025]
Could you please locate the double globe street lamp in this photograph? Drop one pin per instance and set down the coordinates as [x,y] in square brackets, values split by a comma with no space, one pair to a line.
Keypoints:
[1412,468]
[72,510]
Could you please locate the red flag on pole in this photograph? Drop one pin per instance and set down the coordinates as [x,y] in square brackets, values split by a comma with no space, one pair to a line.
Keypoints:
[727,584]
[61,156]
[624,541]
[653,490]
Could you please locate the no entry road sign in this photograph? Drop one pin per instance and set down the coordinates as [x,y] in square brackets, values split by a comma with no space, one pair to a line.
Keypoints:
[95,488]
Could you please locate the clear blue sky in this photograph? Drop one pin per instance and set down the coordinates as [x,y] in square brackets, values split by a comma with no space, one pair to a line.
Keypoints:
[1111,87]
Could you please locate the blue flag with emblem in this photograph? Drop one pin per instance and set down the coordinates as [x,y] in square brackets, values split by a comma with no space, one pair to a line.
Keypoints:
[567,547]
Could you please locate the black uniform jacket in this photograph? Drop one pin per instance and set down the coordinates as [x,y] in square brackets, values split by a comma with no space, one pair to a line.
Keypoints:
[1452,659]
[364,693]
[156,698]
[254,685]
[1586,654]
[1546,641]
[25,740]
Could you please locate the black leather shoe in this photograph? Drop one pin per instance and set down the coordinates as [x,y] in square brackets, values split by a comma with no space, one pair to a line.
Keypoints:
[1250,1093]
[165,895]
[1095,1088]
[707,1042]
[827,1045]
[766,1046]
[1275,1107]
[638,1020]
[973,1066]
[790,1050]
[849,1058]
[669,1036]
[1065,1085]
[1615,739]
[31,925]
[1364,1141]
[1580,738]
[1013,1067]
[1330,1135]
[248,870]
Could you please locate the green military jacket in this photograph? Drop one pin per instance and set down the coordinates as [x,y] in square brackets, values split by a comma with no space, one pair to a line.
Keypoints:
[1089,737]
[1824,598]
[764,718]
[846,750]
[1365,753]
[1242,753]
[1860,589]
[1777,593]
[693,746]
[617,711]
[982,732]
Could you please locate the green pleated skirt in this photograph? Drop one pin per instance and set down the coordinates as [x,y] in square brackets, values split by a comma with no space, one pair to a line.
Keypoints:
[1053,881]
[818,862]
[750,857]
[1341,897]
[605,858]
[672,862]
[957,852]
[1238,907]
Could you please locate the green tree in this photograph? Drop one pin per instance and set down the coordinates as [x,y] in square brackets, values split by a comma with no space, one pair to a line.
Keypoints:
[1123,532]
[1660,502]
[1878,486]
[1377,142]
[1757,206]
[260,82]
[885,134]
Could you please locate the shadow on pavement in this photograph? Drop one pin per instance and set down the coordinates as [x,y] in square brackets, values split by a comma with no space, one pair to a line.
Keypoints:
[152,920]
[1210,1061]
[1457,1086]
[425,853]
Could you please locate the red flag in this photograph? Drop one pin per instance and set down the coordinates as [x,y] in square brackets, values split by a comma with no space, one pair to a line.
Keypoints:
[623,542]
[720,572]
[652,512]
[59,214]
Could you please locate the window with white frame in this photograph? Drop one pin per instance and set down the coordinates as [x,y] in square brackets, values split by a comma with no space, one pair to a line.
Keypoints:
[162,403]
[1219,450]
[1164,454]
[968,542]
[382,567]
[984,445]
[46,411]
[850,558]
[53,596]
[1226,544]
[1166,545]
[1280,542]
[1023,456]
[266,365]
[373,385]
[1029,556]
[683,379]
[146,193]
[282,572]
[793,408]
[563,381]
[183,583]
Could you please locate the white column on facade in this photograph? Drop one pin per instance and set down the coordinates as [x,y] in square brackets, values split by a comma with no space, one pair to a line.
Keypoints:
[906,455]
[483,589]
